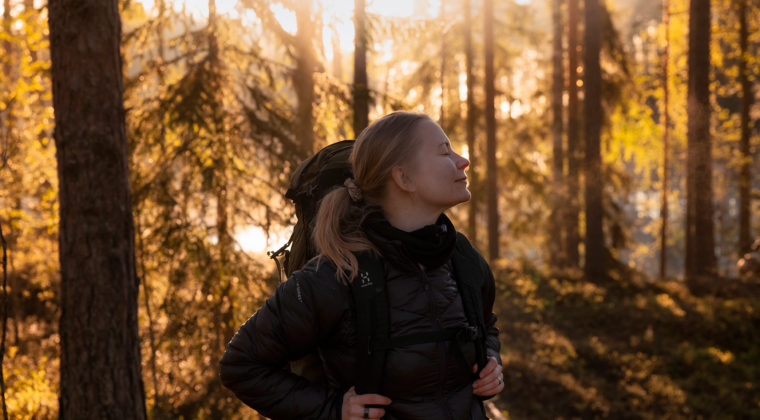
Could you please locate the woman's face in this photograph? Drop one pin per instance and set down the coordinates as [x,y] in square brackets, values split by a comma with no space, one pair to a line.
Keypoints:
[436,172]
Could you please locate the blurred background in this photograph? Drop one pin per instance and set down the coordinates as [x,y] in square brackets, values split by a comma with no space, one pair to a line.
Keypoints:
[581,211]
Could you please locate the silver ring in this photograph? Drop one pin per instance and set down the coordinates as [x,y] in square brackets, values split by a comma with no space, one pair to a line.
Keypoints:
[366,412]
[501,381]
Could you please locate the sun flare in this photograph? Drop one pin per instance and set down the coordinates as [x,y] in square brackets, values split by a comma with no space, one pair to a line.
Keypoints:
[254,239]
[337,15]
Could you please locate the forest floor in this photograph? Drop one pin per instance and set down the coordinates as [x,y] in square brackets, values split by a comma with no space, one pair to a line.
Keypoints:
[627,348]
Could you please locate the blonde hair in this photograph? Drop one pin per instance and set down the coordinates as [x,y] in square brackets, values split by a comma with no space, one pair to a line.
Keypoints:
[388,142]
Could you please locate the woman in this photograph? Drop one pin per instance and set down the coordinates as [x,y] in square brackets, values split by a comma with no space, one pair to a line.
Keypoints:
[406,176]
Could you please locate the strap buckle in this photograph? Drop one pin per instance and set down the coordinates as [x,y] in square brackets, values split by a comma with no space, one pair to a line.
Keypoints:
[467,334]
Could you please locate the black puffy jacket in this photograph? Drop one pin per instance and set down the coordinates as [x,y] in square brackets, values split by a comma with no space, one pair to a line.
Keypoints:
[314,310]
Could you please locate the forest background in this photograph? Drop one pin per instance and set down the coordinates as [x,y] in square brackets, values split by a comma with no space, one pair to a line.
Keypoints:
[613,192]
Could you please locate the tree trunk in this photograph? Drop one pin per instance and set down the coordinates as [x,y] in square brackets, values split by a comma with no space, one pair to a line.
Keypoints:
[141,256]
[442,74]
[492,172]
[557,236]
[361,89]
[6,123]
[594,264]
[470,124]
[7,46]
[4,263]
[745,176]
[574,153]
[28,8]
[337,59]
[100,352]
[224,325]
[665,144]
[303,78]
[223,311]
[700,242]
[161,63]
[161,46]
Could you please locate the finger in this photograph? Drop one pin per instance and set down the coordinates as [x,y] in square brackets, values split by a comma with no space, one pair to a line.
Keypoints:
[490,391]
[490,366]
[488,369]
[489,387]
[370,399]
[489,378]
[497,377]
[485,387]
[492,388]
[491,382]
[376,413]
[357,411]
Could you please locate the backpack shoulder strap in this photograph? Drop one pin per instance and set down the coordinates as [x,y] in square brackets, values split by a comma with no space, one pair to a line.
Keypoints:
[372,322]
[470,274]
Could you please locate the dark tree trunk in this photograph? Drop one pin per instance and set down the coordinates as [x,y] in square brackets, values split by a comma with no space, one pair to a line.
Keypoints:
[303,78]
[471,121]
[665,144]
[557,236]
[700,242]
[592,105]
[492,173]
[100,352]
[361,89]
[574,153]
[745,176]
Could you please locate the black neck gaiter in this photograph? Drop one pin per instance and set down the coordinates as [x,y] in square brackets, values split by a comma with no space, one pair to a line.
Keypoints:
[430,245]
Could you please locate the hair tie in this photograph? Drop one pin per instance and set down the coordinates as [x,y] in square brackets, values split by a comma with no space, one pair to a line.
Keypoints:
[353,190]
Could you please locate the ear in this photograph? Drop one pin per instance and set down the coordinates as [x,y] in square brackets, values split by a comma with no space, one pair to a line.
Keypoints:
[402,180]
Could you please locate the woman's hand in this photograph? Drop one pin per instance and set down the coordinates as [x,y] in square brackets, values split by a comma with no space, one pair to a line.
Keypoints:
[491,380]
[355,406]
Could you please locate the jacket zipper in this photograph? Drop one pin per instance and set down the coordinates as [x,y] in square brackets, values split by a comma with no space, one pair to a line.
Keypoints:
[441,345]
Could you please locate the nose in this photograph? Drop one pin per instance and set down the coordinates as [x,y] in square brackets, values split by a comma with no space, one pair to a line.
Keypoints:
[462,162]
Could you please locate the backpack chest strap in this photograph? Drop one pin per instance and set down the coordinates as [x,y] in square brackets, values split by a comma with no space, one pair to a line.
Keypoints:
[458,335]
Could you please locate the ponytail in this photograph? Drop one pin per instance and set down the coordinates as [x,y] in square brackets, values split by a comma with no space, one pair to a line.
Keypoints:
[338,234]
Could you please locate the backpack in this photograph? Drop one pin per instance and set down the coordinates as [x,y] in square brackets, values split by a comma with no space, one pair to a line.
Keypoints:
[310,182]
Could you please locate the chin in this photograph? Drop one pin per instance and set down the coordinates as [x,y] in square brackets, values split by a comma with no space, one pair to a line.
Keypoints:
[463,198]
